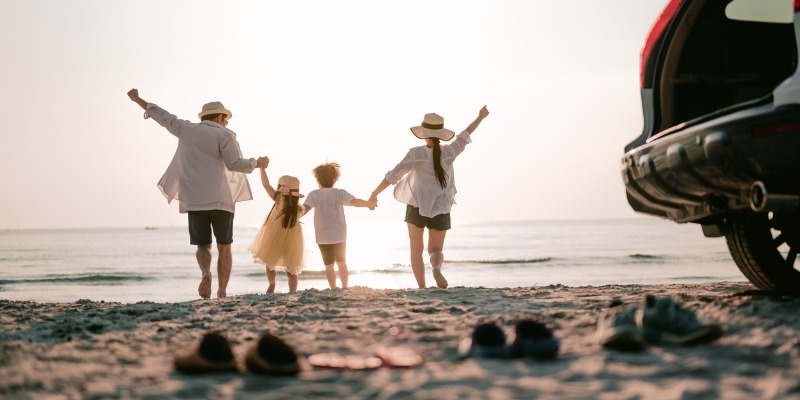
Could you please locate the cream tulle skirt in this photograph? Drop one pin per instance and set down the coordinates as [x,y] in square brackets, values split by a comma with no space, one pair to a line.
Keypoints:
[281,249]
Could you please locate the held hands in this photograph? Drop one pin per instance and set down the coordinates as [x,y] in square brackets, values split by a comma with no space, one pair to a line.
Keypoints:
[262,162]
[371,204]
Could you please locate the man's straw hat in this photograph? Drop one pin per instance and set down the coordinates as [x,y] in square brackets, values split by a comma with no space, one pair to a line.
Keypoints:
[214,107]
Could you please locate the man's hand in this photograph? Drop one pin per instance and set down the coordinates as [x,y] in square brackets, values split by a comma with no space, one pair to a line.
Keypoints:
[371,204]
[262,162]
[133,94]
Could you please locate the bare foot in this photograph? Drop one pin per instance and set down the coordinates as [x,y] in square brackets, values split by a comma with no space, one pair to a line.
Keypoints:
[271,288]
[221,294]
[440,281]
[204,290]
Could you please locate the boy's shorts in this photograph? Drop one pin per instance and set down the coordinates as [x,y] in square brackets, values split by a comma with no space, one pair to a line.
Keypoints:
[440,222]
[333,252]
[202,222]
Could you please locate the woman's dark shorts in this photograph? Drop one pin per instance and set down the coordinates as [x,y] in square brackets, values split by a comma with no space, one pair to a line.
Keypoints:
[333,252]
[440,222]
[202,222]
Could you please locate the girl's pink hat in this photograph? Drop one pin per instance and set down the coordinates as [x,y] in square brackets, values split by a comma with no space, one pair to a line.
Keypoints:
[292,183]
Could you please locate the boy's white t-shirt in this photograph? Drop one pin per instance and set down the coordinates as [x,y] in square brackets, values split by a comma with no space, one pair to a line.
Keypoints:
[329,223]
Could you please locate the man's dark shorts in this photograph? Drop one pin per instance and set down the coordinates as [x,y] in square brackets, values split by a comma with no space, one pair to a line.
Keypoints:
[202,222]
[333,252]
[440,222]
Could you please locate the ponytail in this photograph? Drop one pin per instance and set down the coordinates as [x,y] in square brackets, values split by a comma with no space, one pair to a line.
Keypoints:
[289,210]
[441,176]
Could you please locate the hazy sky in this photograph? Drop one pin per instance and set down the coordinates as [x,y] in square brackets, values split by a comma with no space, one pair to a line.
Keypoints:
[316,81]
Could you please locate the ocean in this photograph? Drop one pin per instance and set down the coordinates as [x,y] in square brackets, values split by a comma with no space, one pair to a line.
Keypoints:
[157,263]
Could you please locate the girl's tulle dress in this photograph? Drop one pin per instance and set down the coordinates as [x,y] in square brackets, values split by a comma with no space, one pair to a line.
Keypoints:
[281,249]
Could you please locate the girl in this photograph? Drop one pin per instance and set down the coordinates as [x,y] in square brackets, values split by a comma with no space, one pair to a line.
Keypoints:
[426,183]
[279,242]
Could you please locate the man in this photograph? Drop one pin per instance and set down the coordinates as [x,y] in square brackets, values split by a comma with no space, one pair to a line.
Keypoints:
[207,177]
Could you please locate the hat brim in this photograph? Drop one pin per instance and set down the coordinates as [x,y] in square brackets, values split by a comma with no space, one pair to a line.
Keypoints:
[216,111]
[425,133]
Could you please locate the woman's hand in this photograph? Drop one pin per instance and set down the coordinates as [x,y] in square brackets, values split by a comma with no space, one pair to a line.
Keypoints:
[483,113]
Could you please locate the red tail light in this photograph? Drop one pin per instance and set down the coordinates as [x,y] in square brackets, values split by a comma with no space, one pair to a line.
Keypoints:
[796,5]
[656,31]
[777,128]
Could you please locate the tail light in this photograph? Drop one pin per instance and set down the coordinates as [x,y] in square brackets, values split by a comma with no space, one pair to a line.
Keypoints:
[775,128]
[657,30]
[796,5]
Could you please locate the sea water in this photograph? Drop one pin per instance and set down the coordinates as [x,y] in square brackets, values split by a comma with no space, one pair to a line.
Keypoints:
[158,264]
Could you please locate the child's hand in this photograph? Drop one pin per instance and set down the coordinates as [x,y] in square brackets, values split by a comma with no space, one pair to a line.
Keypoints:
[371,204]
[262,162]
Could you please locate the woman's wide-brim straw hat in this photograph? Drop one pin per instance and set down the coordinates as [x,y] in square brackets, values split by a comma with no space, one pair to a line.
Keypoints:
[214,107]
[432,127]
[292,183]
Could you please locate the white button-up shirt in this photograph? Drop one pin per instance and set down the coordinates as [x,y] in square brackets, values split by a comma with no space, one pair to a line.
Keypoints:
[207,171]
[416,180]
[330,225]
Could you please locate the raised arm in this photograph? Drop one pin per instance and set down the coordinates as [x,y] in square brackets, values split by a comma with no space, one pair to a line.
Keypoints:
[265,182]
[483,113]
[133,94]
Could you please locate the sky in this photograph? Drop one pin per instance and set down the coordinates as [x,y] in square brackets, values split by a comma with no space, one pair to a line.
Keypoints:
[316,81]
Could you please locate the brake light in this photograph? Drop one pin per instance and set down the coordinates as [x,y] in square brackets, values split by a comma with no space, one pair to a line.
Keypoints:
[796,5]
[655,33]
[777,128]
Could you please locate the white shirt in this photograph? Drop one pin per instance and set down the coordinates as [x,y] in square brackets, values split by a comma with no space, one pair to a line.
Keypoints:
[329,223]
[207,170]
[416,181]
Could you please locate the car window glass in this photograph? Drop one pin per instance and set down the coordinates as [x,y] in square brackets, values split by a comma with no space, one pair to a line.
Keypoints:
[777,11]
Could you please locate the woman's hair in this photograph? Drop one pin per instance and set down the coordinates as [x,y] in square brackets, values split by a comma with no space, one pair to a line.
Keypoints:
[441,176]
[327,174]
[289,211]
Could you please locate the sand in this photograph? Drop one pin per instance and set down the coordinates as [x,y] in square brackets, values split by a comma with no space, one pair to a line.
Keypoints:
[110,350]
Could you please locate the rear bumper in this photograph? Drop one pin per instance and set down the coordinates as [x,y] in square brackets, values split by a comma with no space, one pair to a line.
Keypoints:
[707,170]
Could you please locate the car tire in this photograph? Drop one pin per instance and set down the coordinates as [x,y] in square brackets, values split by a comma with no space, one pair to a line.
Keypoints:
[765,247]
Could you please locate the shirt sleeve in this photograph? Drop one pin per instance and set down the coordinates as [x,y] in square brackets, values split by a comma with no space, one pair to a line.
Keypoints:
[232,154]
[311,199]
[461,142]
[173,124]
[345,197]
[401,169]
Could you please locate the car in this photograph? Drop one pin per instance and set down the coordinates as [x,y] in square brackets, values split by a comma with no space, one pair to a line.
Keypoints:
[720,146]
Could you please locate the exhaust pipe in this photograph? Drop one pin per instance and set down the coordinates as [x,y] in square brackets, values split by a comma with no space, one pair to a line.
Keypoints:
[762,201]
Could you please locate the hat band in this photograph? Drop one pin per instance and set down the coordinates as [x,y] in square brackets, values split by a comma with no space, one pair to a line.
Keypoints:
[432,126]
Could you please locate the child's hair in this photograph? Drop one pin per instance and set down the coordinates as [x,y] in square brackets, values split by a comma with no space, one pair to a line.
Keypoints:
[327,174]
[289,211]
[441,176]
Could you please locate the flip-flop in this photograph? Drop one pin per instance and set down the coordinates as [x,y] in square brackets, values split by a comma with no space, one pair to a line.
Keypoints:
[398,356]
[533,339]
[212,353]
[487,341]
[272,356]
[349,362]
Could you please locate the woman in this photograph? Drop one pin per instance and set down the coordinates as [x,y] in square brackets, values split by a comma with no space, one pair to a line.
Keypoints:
[426,183]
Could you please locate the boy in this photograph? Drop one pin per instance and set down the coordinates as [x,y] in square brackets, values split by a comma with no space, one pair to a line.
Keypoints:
[329,222]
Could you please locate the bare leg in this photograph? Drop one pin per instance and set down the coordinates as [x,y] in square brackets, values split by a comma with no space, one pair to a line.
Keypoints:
[271,275]
[415,243]
[203,256]
[435,246]
[224,266]
[331,275]
[343,274]
[292,282]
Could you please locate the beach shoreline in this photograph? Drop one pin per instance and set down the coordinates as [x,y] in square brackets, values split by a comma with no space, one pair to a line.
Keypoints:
[91,349]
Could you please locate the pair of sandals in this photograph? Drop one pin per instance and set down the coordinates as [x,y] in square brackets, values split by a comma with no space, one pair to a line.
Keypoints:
[394,356]
[531,338]
[213,353]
